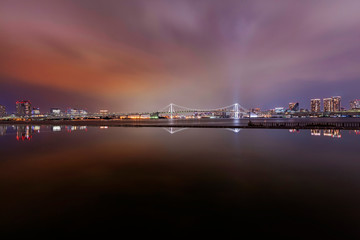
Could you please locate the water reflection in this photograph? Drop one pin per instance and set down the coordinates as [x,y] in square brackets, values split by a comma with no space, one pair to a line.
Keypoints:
[173,130]
[23,133]
[26,132]
[315,132]
[294,130]
[75,128]
[66,176]
[234,130]
[3,130]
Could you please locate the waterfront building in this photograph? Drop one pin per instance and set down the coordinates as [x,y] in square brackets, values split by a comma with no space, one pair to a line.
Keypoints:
[55,111]
[355,104]
[279,110]
[315,105]
[336,104]
[35,112]
[327,104]
[294,106]
[23,108]
[75,112]
[82,113]
[104,112]
[2,111]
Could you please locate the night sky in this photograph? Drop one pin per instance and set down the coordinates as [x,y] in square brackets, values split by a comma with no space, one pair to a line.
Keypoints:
[142,55]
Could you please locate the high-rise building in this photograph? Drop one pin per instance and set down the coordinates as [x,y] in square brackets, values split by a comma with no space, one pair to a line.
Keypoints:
[23,108]
[294,107]
[355,104]
[2,111]
[315,105]
[327,104]
[336,104]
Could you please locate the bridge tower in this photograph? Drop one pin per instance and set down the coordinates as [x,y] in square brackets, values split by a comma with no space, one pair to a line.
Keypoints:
[171,110]
[236,110]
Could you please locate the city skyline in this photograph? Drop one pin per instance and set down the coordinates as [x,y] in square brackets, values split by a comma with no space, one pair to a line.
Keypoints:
[324,106]
[329,104]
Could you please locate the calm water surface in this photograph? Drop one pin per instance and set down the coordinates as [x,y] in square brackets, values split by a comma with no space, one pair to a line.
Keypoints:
[69,179]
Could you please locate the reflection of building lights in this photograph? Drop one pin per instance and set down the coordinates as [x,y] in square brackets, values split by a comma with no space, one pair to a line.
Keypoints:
[327,133]
[36,129]
[315,132]
[3,130]
[334,133]
[75,128]
[56,128]
[294,130]
[23,133]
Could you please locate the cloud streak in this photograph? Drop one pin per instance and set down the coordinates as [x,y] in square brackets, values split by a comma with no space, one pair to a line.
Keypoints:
[143,54]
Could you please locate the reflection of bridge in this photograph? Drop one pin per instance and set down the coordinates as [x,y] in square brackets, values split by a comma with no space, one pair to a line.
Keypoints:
[176,111]
[173,130]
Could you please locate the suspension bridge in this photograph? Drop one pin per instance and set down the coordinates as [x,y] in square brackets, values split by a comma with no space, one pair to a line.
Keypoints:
[172,111]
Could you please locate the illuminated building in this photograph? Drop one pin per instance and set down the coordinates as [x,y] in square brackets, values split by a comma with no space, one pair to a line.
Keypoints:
[2,111]
[355,104]
[23,108]
[294,107]
[71,112]
[327,104]
[104,112]
[35,112]
[76,113]
[279,110]
[336,104]
[82,113]
[55,111]
[315,105]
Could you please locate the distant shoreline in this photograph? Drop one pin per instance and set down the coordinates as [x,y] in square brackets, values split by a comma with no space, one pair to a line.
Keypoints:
[267,123]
